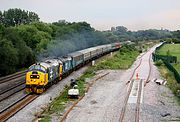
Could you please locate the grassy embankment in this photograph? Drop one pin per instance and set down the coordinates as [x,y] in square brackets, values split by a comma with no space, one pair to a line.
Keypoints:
[121,59]
[174,50]
[146,45]
[172,83]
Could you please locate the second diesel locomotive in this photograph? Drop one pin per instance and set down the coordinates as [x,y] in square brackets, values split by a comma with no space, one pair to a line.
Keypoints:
[43,74]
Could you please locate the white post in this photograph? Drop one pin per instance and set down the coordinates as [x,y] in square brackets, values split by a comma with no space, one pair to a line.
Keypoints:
[93,63]
[111,54]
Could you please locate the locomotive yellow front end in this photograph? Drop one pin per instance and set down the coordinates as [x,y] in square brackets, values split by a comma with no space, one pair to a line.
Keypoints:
[36,79]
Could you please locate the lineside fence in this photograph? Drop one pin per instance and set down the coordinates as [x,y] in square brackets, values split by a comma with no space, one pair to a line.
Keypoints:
[167,61]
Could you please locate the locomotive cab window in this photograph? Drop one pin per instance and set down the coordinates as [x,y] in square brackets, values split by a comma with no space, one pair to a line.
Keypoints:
[38,68]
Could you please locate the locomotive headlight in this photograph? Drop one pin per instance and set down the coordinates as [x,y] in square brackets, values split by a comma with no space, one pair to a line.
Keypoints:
[34,80]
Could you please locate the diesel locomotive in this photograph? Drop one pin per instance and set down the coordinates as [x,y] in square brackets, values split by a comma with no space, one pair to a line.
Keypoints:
[43,74]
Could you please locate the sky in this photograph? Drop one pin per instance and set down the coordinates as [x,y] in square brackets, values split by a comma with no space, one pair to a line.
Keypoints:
[104,14]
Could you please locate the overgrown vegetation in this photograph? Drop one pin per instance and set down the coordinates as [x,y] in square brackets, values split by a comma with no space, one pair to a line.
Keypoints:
[172,83]
[122,59]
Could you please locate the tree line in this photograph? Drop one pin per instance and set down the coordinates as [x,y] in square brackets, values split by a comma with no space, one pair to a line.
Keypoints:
[123,34]
[25,40]
[13,17]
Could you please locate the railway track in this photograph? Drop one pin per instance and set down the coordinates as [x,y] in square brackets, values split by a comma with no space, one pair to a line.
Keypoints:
[11,91]
[12,109]
[12,76]
[12,84]
[137,109]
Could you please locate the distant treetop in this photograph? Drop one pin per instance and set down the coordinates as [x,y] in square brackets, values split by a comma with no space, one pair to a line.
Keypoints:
[13,17]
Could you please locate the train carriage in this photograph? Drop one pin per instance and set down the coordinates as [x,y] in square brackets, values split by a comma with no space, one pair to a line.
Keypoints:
[77,59]
[86,54]
[108,47]
[99,50]
[115,46]
[93,52]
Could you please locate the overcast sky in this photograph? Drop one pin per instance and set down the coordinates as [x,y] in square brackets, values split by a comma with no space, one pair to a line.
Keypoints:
[103,14]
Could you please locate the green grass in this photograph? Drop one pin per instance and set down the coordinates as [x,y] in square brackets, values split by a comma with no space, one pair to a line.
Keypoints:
[171,81]
[119,61]
[172,49]
[149,44]
[177,67]
[58,104]
[45,119]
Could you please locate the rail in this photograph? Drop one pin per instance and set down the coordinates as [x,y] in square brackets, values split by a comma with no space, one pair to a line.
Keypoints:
[12,76]
[137,110]
[127,96]
[15,107]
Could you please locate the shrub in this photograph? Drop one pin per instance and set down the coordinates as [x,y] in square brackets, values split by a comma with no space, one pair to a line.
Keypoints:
[159,63]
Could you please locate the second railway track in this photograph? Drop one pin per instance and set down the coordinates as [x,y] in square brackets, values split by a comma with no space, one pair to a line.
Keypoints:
[15,107]
[141,82]
[11,84]
[12,76]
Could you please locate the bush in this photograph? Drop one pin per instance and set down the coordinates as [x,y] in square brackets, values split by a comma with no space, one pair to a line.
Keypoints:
[159,63]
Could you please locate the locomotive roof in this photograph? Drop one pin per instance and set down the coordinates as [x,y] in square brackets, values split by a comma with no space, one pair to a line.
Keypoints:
[50,63]
[65,58]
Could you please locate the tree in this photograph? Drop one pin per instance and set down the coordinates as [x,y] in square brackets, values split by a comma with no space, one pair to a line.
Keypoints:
[27,33]
[43,39]
[23,51]
[1,17]
[13,17]
[2,28]
[176,34]
[43,27]
[8,56]
[121,29]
